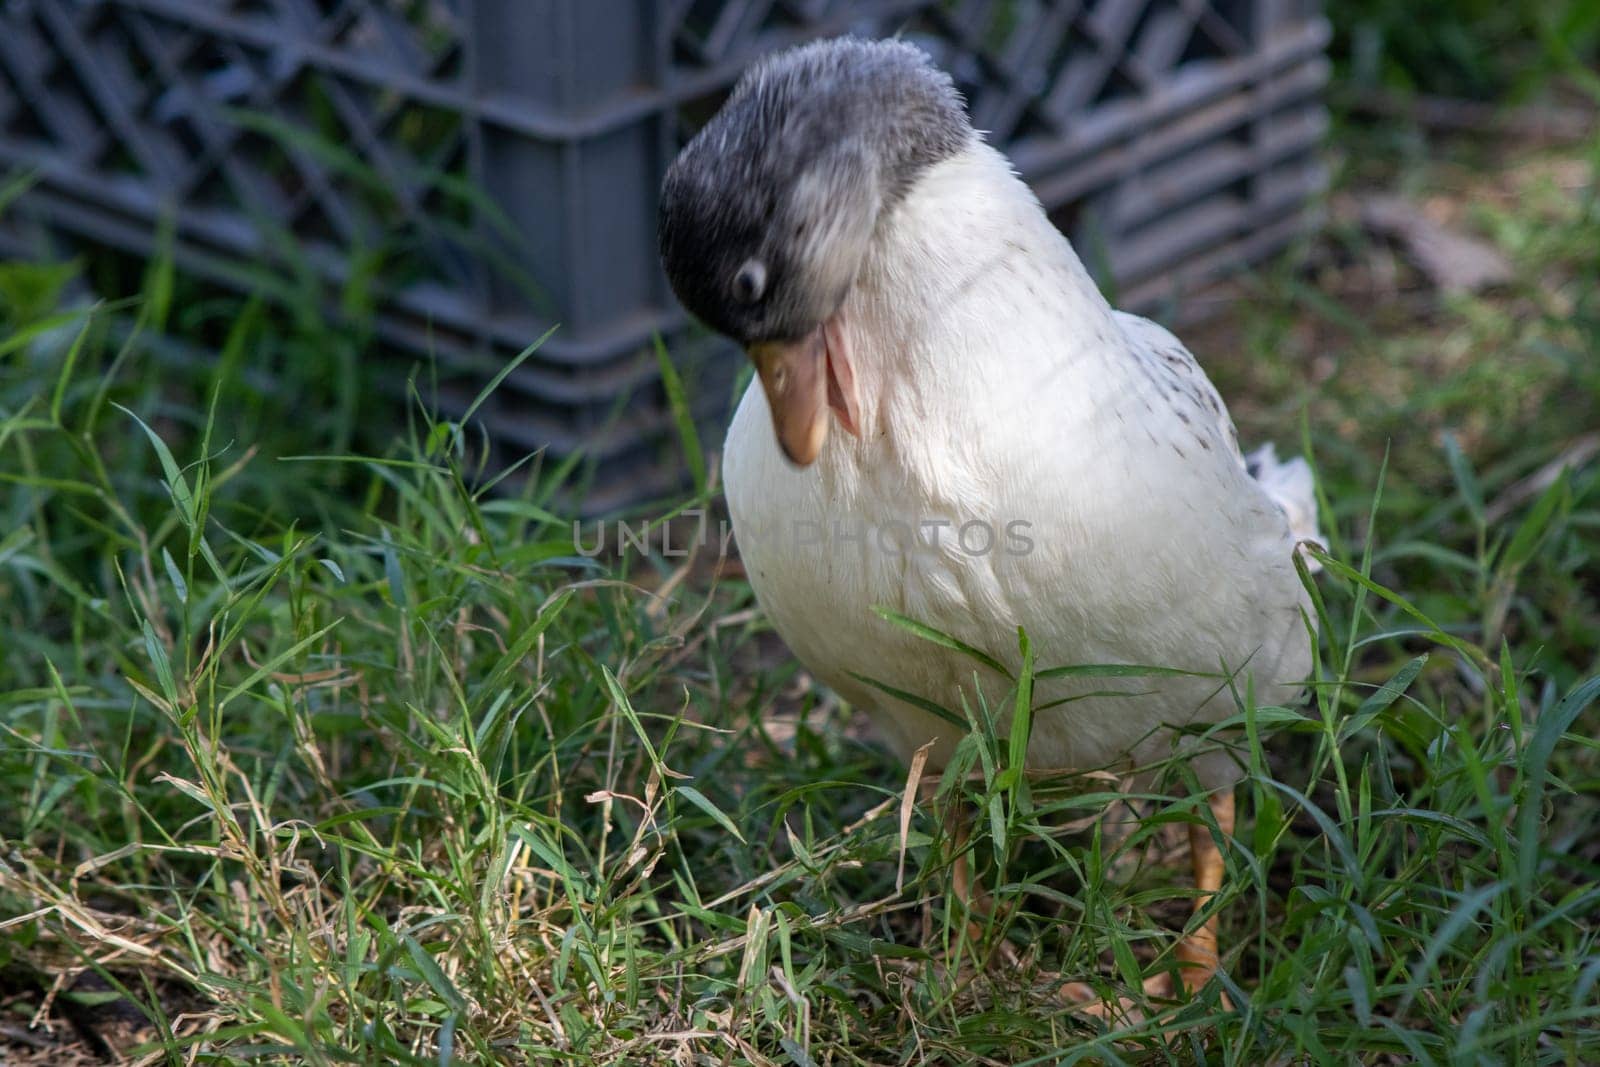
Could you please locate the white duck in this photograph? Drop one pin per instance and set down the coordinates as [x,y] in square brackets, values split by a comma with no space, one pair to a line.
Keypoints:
[1014,452]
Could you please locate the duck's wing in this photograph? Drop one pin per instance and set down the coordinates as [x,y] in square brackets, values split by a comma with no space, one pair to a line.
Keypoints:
[1289,483]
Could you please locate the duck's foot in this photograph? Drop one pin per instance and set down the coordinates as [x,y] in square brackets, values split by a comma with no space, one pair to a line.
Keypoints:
[1004,954]
[1196,952]
[1125,1010]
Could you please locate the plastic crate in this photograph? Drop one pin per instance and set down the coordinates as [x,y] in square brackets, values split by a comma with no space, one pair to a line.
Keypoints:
[501,158]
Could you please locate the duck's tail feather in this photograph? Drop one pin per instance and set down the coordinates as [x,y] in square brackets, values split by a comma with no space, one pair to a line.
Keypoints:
[1289,484]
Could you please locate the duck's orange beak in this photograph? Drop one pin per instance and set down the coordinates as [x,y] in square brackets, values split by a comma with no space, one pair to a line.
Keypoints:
[804,380]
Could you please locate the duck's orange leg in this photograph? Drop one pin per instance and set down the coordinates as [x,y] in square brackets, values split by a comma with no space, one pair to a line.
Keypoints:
[1196,951]
[963,887]
[967,889]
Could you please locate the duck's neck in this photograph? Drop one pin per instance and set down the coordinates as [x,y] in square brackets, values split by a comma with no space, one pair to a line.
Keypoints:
[967,286]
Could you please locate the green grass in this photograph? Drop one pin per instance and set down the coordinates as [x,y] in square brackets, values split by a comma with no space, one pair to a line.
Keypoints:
[315,751]
[1480,49]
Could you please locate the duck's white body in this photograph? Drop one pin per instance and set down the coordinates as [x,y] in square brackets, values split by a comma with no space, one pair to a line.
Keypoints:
[999,392]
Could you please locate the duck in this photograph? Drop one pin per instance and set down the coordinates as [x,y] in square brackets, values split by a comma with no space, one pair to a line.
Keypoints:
[949,423]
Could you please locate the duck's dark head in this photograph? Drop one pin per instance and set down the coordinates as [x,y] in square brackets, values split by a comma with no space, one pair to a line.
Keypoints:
[767,214]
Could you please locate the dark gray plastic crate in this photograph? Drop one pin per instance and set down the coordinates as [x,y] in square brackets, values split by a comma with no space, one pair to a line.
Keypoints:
[503,157]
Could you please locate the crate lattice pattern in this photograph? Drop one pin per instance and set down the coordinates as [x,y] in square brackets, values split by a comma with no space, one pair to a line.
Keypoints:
[500,158]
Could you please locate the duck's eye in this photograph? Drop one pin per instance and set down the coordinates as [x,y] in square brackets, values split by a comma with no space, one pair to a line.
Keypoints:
[751,281]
